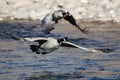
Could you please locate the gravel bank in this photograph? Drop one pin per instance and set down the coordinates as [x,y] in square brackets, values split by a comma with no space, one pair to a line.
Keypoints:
[103,10]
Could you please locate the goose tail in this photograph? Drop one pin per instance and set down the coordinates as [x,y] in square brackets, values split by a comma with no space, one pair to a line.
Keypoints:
[34,48]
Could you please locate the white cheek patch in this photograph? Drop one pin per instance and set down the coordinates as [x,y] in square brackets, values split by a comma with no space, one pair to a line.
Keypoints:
[64,39]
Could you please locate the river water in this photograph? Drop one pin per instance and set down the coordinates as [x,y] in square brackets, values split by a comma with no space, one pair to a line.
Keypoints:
[18,62]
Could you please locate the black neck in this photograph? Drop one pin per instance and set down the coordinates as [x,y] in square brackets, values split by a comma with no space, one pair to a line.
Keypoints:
[62,39]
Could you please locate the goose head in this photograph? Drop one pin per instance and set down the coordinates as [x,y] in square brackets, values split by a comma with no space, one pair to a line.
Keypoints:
[66,14]
[62,40]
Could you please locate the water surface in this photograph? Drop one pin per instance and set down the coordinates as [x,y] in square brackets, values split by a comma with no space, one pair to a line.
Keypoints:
[18,62]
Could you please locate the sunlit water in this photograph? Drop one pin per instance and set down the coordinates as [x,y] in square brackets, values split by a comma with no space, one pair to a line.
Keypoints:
[18,62]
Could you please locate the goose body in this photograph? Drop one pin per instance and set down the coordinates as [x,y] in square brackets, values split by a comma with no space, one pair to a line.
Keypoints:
[47,24]
[50,43]
[47,45]
[50,19]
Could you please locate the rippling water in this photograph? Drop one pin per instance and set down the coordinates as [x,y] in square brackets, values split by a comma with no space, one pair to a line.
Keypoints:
[17,62]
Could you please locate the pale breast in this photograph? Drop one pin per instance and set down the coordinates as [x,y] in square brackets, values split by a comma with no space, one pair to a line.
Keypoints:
[51,43]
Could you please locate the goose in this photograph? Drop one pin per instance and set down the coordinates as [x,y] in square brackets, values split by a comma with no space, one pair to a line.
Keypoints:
[52,18]
[47,45]
[50,44]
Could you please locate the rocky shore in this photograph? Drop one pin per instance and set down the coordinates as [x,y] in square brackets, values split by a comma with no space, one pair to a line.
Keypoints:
[103,10]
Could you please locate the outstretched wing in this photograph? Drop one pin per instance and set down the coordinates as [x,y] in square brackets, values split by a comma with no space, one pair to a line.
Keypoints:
[40,40]
[33,39]
[43,21]
[69,44]
[72,20]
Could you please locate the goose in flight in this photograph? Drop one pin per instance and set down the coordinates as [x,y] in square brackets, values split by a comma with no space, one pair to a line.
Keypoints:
[47,45]
[50,19]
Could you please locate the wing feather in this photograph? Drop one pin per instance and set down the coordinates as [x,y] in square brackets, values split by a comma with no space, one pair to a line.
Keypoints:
[34,39]
[71,19]
[69,44]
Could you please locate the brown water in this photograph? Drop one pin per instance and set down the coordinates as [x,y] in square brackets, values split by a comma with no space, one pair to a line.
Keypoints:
[17,62]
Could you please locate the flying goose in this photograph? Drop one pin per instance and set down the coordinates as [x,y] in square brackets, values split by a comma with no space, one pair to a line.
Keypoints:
[50,19]
[47,45]
[57,43]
